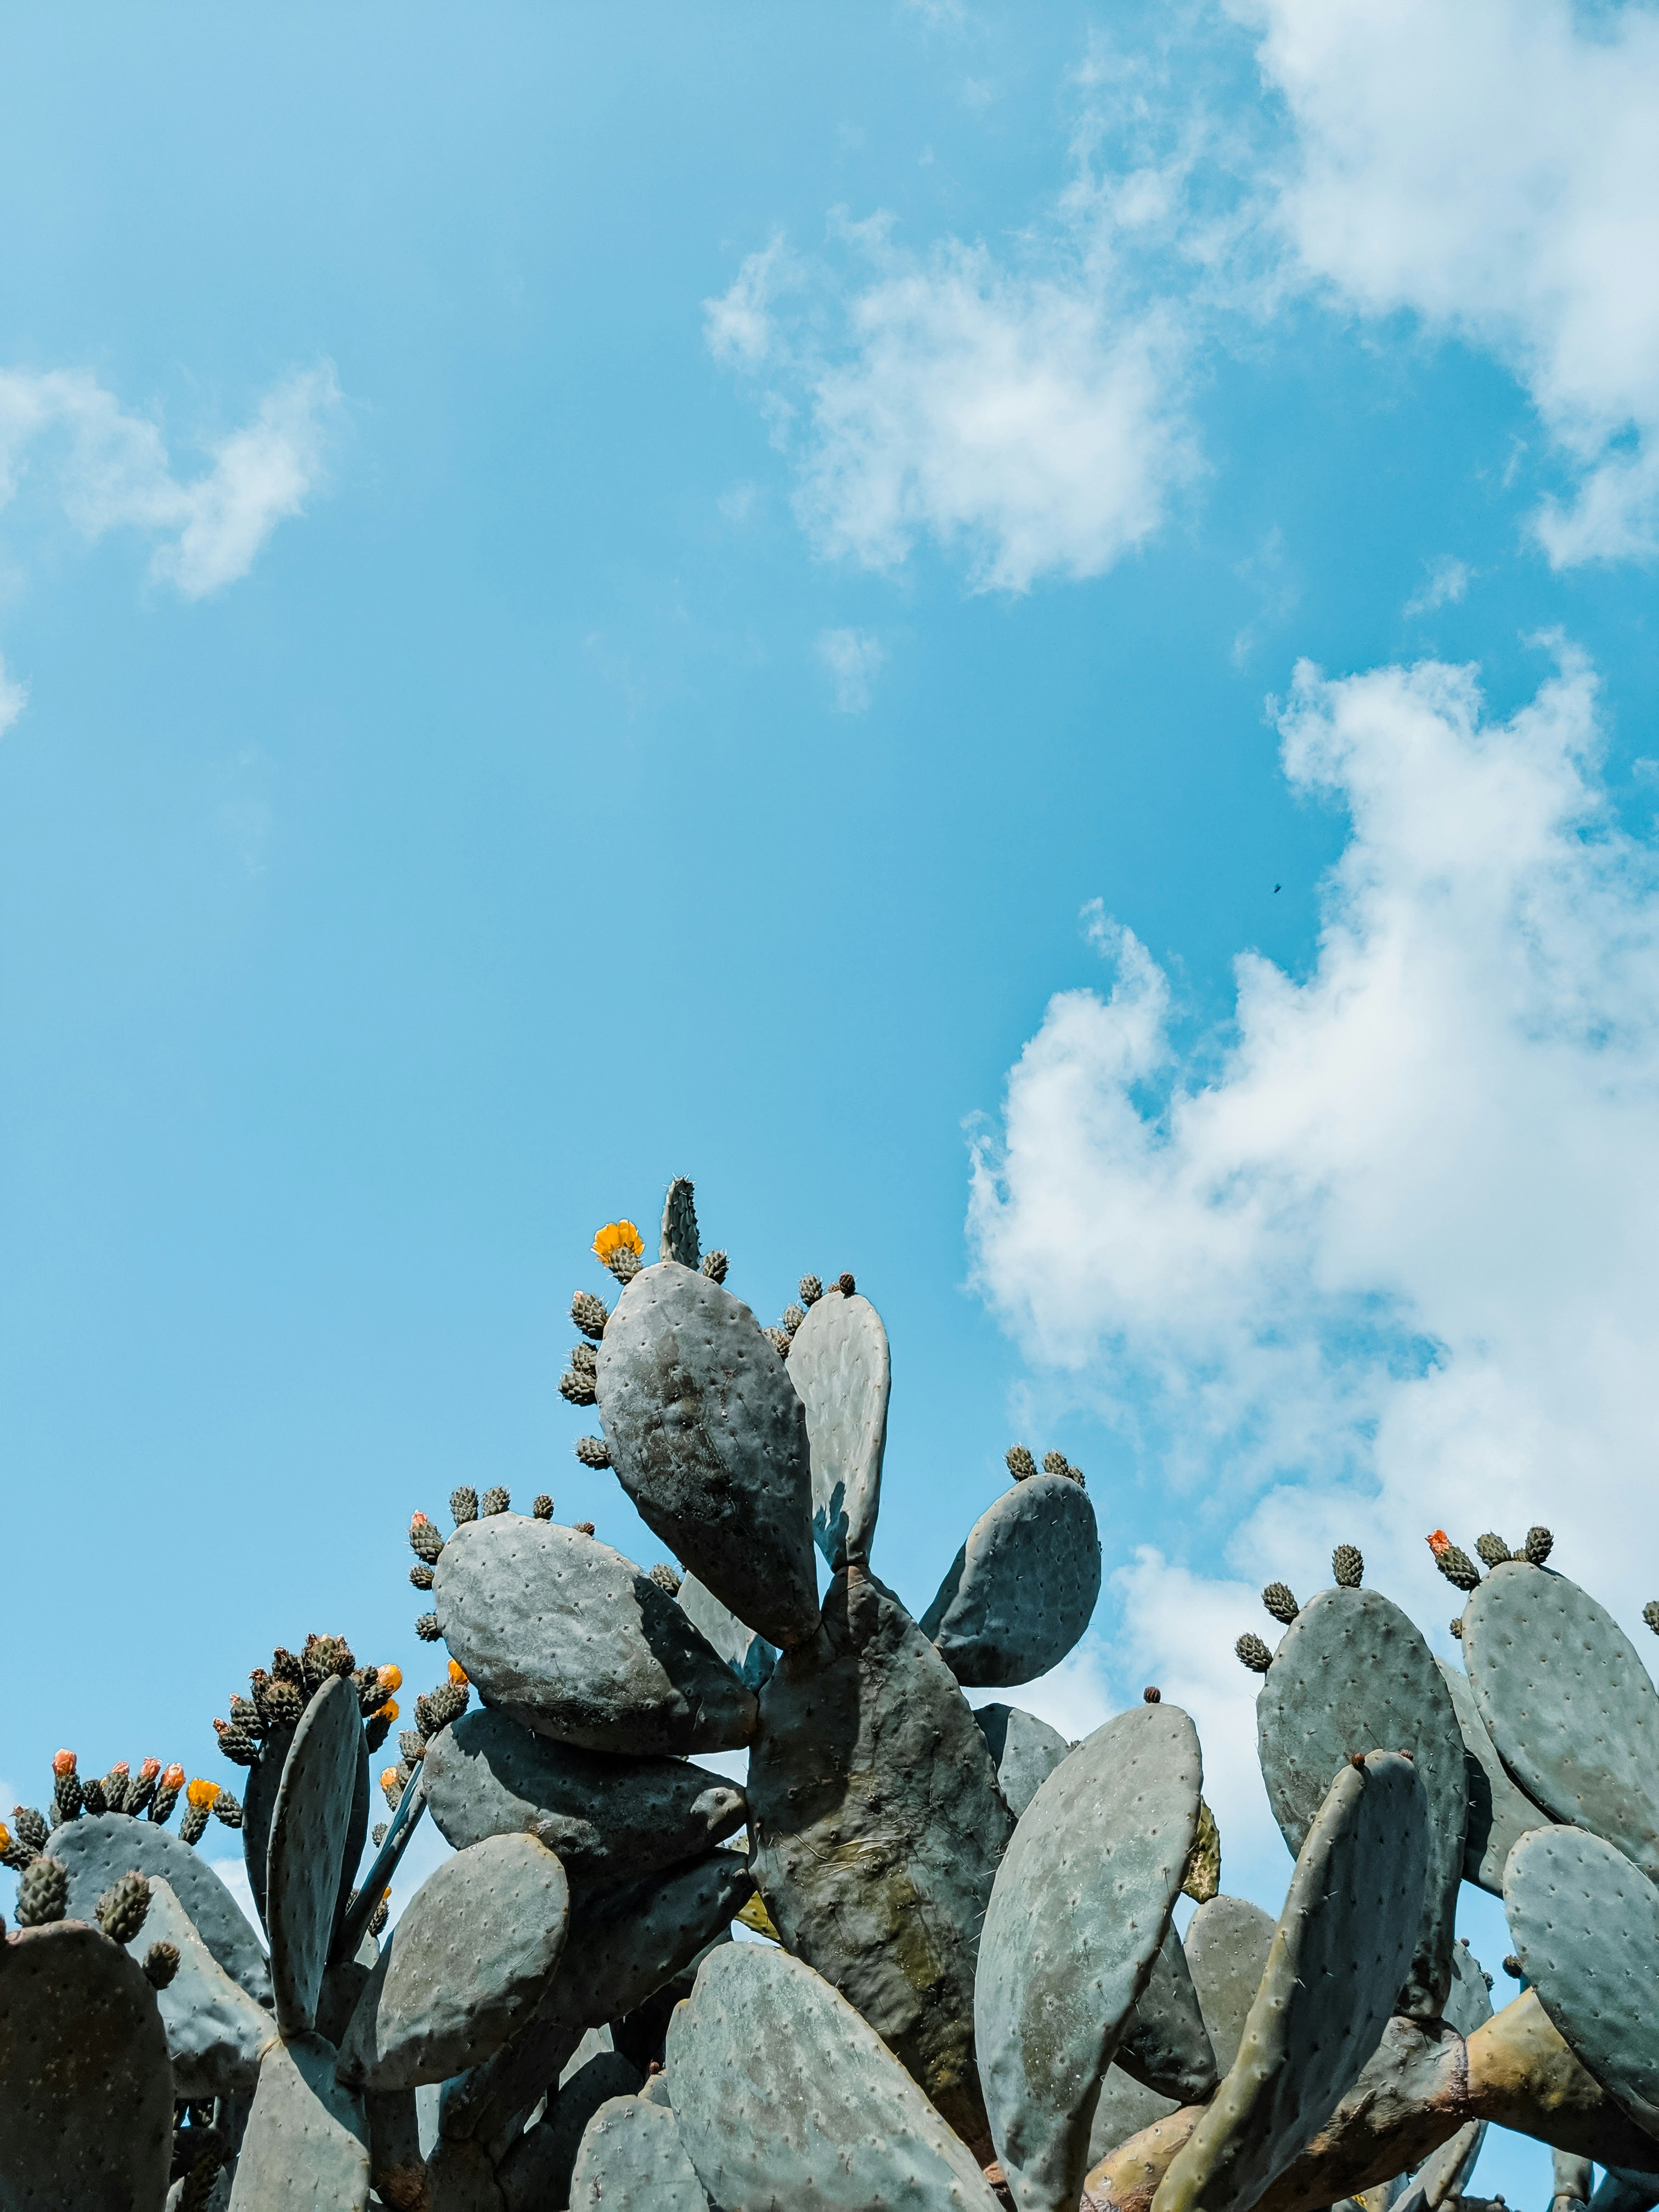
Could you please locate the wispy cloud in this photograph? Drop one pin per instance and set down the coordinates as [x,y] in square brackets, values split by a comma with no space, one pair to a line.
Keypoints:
[854,659]
[1445,585]
[14,697]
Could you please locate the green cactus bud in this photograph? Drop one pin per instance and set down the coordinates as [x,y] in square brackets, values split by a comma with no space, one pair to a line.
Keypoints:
[811,1290]
[1457,1628]
[42,1893]
[235,1743]
[376,1728]
[576,1387]
[845,1285]
[542,1505]
[585,1359]
[284,1704]
[424,1540]
[14,1852]
[1454,1563]
[665,1578]
[1280,1603]
[121,1911]
[791,1319]
[679,1225]
[166,1796]
[435,1709]
[1253,1652]
[779,1340]
[29,1827]
[379,1916]
[714,1265]
[1348,1566]
[427,1628]
[229,1810]
[495,1500]
[245,1714]
[589,1313]
[115,1785]
[1491,1549]
[160,1964]
[1055,1462]
[67,1797]
[192,1827]
[377,1834]
[1538,1547]
[411,1742]
[464,1504]
[592,1451]
[285,1666]
[93,1800]
[1021,1465]
[420,1576]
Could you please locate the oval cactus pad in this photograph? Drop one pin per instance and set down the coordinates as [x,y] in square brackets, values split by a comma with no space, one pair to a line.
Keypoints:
[842,1371]
[307,1847]
[1022,1589]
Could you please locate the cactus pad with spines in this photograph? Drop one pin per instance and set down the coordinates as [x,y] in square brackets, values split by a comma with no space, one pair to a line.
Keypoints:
[763,2036]
[502,1906]
[609,1818]
[42,1892]
[1566,1700]
[95,1853]
[751,1657]
[1227,1944]
[709,1438]
[309,1823]
[1026,1751]
[215,2032]
[567,1636]
[878,1826]
[1344,1943]
[1021,1591]
[86,2091]
[1585,1922]
[1354,1675]
[1499,1813]
[537,2171]
[1077,1916]
[305,2144]
[840,1365]
[1165,2045]
[631,2160]
[122,1907]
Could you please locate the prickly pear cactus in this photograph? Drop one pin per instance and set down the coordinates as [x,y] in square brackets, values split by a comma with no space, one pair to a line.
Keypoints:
[1499,1813]
[95,1851]
[308,1829]
[1026,1751]
[1227,1944]
[307,2141]
[841,1366]
[751,1657]
[631,2160]
[1022,1588]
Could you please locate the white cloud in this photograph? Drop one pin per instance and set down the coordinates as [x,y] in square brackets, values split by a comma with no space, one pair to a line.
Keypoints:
[739,325]
[108,470]
[854,659]
[1494,168]
[1446,584]
[14,697]
[1379,1257]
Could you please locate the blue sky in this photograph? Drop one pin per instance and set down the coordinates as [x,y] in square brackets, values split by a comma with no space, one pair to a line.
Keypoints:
[590,594]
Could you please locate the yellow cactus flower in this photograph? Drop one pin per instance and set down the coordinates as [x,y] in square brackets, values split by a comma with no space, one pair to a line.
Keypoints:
[388,1777]
[457,1673]
[5,1837]
[392,1678]
[388,1711]
[618,1237]
[205,1794]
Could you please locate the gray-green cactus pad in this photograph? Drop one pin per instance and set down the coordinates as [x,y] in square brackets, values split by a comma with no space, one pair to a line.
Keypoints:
[263,1779]
[568,1637]
[306,2141]
[783,2096]
[1339,1954]
[1469,2005]
[840,1363]
[1585,1922]
[609,1818]
[308,1827]
[216,2035]
[1567,1701]
[1124,2107]
[1021,1591]
[749,1656]
[466,1966]
[1499,1813]
[1165,2044]
[623,1943]
[1354,1675]
[1227,1943]
[86,2091]
[709,1438]
[96,1851]
[632,2160]
[535,2173]
[878,1826]
[1026,1751]
[1077,1916]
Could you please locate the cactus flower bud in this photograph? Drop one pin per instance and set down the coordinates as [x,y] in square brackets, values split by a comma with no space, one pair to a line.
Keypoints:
[63,1763]
[1456,1565]
[457,1673]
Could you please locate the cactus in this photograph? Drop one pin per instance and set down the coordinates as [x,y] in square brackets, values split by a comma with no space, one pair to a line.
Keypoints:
[309,1827]
[1353,1674]
[1094,1869]
[709,1438]
[95,1853]
[1021,1591]
[1165,2045]
[1499,1813]
[840,1365]
[215,2032]
[878,1826]
[1026,1751]
[751,1657]
[307,2141]
[1344,1941]
[609,1818]
[1228,1941]
[1585,1922]
[1541,1654]
[569,1637]
[762,2034]
[537,2170]
[503,1905]
[631,2160]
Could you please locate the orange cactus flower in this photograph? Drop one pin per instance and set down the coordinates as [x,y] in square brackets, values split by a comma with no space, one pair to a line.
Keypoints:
[63,1763]
[387,1712]
[388,1777]
[205,1794]
[417,1521]
[149,1769]
[618,1237]
[1440,1543]
[457,1673]
[174,1777]
[121,1771]
[392,1678]
[5,1837]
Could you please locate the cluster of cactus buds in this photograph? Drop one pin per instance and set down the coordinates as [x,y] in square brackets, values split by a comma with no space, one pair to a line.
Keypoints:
[435,1708]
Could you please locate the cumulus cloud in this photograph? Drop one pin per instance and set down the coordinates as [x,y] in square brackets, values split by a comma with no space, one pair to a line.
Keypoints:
[1026,419]
[853,659]
[1379,1257]
[108,469]
[1493,168]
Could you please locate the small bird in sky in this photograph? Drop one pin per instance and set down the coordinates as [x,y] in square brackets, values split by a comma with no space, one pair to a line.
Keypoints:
[1278,887]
